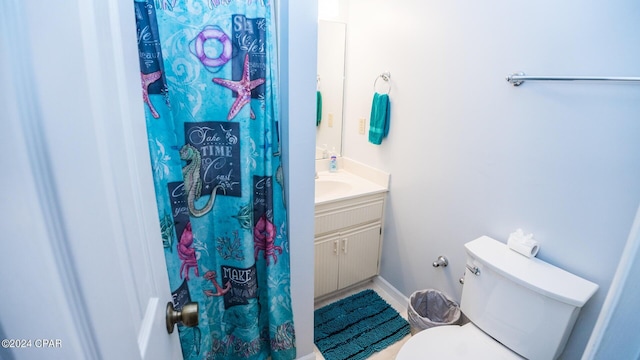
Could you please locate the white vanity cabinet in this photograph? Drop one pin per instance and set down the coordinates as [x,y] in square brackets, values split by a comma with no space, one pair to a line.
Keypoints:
[348,239]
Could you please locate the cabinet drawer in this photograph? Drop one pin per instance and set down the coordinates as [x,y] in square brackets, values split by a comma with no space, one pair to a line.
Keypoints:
[349,214]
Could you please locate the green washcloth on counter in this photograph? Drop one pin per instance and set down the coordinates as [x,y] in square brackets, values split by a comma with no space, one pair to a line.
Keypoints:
[380,118]
[318,108]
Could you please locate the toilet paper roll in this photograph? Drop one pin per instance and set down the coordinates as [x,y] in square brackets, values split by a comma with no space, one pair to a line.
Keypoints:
[526,247]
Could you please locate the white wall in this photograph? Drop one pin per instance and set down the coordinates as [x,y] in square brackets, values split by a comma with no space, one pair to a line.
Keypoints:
[297,46]
[471,155]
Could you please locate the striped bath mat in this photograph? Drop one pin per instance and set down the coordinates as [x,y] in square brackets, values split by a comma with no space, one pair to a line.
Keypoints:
[357,326]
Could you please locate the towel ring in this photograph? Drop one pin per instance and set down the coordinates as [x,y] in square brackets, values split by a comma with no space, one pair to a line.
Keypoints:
[386,76]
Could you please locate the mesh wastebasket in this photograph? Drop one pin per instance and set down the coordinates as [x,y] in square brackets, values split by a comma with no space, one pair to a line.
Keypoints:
[429,308]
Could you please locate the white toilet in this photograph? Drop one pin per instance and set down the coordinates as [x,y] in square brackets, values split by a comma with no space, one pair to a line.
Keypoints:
[518,307]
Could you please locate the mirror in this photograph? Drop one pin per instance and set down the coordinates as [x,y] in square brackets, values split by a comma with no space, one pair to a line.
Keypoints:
[330,86]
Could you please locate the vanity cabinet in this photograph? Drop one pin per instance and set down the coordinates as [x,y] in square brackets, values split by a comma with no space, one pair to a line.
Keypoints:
[348,239]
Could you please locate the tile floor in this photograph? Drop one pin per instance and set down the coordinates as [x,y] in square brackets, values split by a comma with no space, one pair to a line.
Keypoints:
[388,353]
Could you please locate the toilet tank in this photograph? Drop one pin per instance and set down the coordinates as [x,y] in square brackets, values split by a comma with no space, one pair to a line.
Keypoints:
[526,304]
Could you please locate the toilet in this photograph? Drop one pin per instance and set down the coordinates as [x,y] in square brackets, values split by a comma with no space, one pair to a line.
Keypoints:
[518,308]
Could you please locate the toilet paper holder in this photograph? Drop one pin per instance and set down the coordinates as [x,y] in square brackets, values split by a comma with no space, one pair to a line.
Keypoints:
[441,261]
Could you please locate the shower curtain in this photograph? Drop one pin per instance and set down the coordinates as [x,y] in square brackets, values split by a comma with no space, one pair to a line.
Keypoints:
[208,71]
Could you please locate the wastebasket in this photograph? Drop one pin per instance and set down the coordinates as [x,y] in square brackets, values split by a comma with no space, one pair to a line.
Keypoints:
[429,308]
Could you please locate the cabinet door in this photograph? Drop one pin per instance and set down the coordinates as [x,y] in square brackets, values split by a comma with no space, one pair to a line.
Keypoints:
[326,266]
[359,255]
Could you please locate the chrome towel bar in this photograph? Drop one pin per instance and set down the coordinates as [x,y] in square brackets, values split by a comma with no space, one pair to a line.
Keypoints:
[516,79]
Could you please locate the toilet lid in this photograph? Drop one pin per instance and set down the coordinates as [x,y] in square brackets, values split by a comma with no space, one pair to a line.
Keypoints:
[454,342]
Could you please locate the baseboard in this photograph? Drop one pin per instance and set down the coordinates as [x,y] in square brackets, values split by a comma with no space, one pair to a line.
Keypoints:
[311,356]
[392,291]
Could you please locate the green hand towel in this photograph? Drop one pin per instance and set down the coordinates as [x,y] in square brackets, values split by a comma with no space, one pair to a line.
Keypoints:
[318,108]
[380,118]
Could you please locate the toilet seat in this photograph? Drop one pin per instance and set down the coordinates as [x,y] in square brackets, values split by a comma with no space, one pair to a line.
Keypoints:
[454,342]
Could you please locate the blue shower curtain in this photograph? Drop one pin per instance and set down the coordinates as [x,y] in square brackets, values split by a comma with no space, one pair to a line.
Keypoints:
[208,71]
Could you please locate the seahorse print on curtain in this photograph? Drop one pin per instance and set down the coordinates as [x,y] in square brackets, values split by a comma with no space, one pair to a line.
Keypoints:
[209,90]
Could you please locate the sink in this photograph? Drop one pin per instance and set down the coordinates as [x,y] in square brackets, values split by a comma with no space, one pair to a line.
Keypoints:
[342,185]
[330,187]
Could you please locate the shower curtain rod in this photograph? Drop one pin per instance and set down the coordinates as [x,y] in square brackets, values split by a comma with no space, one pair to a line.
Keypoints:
[516,79]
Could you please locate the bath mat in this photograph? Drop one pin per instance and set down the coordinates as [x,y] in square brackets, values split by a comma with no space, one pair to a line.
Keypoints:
[357,326]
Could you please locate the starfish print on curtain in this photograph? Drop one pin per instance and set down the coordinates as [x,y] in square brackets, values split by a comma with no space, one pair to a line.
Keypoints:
[148,79]
[243,88]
